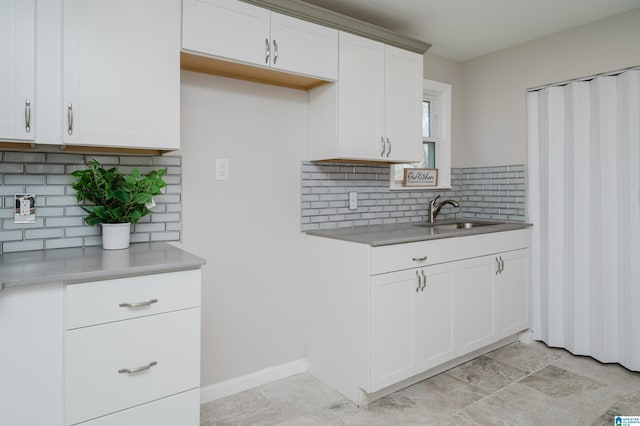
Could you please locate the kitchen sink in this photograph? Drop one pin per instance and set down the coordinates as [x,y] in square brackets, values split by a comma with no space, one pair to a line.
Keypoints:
[463,224]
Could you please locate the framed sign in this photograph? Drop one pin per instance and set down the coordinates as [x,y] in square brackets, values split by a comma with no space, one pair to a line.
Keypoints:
[420,177]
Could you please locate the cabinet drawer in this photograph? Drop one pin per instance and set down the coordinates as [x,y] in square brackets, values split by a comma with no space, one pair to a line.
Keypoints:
[94,357]
[99,302]
[497,242]
[181,409]
[412,255]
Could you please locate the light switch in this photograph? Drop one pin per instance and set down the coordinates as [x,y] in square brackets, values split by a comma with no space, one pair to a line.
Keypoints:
[222,169]
[353,200]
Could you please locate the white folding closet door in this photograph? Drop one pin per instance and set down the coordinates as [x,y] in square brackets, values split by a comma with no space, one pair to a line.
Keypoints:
[584,202]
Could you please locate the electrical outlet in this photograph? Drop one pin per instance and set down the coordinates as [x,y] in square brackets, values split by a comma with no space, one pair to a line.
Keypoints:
[222,169]
[353,200]
[25,208]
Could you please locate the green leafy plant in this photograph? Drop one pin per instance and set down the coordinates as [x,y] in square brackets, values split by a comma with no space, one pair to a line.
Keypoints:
[113,197]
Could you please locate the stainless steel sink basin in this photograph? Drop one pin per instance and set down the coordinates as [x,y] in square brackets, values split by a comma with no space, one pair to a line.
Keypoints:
[463,224]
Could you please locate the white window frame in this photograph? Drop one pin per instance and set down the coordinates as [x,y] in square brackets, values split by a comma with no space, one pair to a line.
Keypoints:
[440,96]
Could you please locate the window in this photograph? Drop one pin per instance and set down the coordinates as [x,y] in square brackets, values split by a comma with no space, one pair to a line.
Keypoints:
[436,135]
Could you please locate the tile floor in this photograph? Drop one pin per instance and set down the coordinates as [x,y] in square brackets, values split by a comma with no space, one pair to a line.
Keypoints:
[515,385]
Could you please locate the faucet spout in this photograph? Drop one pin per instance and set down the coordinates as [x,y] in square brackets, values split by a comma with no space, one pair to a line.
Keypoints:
[435,207]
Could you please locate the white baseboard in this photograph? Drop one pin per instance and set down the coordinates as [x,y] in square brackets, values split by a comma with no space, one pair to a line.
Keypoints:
[249,381]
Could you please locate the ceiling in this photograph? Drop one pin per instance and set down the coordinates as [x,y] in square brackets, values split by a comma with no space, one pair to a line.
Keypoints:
[464,29]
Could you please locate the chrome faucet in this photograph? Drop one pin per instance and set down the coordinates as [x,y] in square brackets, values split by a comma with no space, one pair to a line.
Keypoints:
[434,208]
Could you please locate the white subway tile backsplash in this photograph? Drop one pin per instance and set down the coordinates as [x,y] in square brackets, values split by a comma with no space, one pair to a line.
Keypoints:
[484,192]
[10,235]
[59,218]
[54,243]
[40,234]
[22,246]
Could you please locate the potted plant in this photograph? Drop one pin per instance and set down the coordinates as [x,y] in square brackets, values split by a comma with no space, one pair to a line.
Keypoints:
[116,201]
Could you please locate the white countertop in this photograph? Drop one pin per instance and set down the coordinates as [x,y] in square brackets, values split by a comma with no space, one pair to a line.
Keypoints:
[72,265]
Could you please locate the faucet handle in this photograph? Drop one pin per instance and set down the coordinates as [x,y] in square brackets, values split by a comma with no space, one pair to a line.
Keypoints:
[433,202]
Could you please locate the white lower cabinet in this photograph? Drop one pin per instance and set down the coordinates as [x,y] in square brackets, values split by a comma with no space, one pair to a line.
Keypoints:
[392,317]
[493,298]
[437,315]
[476,301]
[132,350]
[31,330]
[412,322]
[180,409]
[511,293]
[121,351]
[382,315]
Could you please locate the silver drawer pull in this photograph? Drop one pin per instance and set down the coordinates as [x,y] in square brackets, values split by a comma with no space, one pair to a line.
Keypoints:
[138,304]
[27,115]
[137,369]
[419,259]
[70,118]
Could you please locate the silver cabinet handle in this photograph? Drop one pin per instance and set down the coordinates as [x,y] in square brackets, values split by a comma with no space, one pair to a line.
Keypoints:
[27,115]
[501,264]
[389,150]
[424,280]
[137,369]
[275,51]
[498,268]
[419,259]
[268,47]
[419,282]
[383,146]
[70,118]
[138,304]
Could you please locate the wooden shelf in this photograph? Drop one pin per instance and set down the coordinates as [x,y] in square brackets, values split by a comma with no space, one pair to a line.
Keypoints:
[225,68]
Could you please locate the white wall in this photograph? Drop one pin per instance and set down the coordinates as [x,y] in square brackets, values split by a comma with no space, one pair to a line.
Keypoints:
[248,229]
[494,130]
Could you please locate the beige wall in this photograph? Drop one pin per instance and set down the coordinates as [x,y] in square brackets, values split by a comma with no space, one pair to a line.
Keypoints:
[248,229]
[447,71]
[494,113]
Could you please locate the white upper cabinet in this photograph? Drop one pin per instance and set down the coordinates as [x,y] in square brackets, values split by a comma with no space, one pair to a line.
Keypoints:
[379,105]
[121,73]
[226,28]
[303,47]
[403,104]
[361,98]
[17,73]
[237,31]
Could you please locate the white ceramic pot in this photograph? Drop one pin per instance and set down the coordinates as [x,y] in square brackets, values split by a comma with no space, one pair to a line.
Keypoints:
[115,236]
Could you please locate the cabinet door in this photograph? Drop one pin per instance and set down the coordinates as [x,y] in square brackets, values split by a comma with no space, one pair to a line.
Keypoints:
[392,322]
[227,28]
[182,409]
[17,74]
[512,288]
[360,98]
[436,313]
[304,47]
[121,62]
[403,104]
[476,303]
[31,327]
[95,358]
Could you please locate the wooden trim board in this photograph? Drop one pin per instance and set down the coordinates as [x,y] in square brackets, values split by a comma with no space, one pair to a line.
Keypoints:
[225,68]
